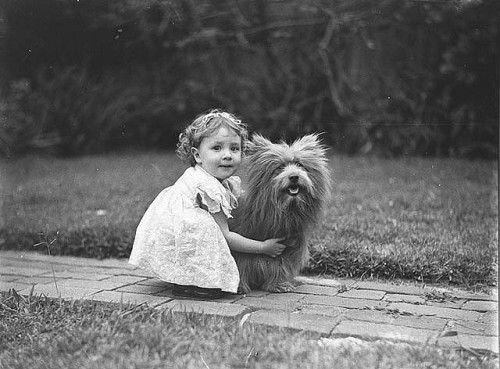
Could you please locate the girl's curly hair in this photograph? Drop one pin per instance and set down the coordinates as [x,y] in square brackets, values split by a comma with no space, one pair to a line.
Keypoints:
[203,126]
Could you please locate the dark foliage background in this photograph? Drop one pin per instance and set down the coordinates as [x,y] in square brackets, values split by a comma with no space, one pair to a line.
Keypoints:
[390,77]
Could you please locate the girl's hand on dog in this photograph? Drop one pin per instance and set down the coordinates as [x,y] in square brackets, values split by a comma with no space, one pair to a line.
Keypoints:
[272,247]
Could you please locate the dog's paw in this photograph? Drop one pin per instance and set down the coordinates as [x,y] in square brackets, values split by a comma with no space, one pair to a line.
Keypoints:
[280,287]
[243,290]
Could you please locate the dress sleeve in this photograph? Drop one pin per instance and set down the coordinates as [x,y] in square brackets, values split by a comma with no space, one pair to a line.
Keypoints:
[214,199]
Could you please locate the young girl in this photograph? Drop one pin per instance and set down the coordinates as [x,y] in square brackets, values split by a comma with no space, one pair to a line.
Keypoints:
[183,238]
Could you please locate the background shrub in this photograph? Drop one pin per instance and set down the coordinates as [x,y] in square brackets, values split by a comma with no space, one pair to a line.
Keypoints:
[396,77]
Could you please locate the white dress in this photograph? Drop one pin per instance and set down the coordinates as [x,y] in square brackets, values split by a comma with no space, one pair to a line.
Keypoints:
[180,242]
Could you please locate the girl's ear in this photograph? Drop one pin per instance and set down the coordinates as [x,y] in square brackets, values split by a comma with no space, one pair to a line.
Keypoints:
[196,155]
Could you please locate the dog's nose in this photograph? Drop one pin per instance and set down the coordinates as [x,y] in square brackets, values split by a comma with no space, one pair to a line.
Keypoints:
[293,178]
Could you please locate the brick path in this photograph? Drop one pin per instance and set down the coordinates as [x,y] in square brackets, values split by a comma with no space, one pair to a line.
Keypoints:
[329,308]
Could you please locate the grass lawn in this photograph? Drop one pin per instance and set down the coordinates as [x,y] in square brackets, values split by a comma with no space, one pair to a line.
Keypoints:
[48,333]
[431,220]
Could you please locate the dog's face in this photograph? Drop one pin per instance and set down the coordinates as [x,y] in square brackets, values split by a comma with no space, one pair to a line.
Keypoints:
[291,174]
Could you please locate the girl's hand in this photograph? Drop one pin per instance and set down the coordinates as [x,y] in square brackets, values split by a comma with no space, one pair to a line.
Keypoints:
[272,247]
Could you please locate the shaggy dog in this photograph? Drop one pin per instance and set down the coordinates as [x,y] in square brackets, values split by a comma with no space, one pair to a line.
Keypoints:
[287,188]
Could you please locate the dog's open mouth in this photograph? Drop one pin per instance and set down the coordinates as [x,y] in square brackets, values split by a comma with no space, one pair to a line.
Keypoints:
[293,190]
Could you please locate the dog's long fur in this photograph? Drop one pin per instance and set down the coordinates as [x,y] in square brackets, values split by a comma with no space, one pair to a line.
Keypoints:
[271,207]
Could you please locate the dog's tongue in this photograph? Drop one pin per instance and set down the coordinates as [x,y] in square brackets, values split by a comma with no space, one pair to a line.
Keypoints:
[293,191]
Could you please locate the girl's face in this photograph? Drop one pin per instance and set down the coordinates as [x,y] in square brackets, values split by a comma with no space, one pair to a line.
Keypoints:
[220,153]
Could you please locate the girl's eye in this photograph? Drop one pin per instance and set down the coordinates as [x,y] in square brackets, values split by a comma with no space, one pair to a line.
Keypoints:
[216,148]
[235,149]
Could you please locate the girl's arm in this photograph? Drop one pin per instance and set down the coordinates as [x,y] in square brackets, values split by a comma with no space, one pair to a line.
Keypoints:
[237,242]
